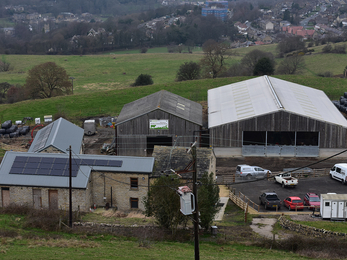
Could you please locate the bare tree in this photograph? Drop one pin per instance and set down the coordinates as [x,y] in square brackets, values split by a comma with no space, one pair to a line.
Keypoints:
[4,66]
[48,80]
[215,55]
[291,65]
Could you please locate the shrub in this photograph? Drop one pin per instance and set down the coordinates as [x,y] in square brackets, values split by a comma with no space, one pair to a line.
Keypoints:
[327,48]
[188,71]
[326,74]
[143,80]
[144,49]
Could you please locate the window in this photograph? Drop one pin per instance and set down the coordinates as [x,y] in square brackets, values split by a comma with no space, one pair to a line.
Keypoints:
[134,183]
[134,203]
[327,203]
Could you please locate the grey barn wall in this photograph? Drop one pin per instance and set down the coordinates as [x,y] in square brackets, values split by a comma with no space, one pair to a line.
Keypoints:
[132,135]
[230,135]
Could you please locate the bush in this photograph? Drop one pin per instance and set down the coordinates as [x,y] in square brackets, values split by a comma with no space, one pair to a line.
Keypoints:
[327,74]
[143,80]
[188,71]
[144,49]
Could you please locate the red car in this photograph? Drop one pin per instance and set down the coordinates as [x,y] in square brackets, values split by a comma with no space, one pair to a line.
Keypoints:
[293,203]
[312,200]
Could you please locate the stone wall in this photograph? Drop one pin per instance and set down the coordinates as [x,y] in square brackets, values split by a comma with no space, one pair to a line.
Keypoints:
[307,230]
[24,196]
[121,190]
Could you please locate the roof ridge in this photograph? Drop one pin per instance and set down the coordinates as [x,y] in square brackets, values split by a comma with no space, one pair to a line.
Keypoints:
[277,99]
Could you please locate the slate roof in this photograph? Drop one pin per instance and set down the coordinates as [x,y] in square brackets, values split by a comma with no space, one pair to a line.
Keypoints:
[129,164]
[165,101]
[177,158]
[265,95]
[60,134]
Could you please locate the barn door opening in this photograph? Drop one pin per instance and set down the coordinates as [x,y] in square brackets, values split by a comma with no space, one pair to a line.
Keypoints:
[157,140]
[37,199]
[53,199]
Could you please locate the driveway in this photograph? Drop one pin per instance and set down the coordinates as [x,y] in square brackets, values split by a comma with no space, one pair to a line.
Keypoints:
[320,185]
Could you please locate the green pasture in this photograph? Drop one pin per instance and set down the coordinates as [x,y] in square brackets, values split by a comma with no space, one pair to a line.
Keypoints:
[110,102]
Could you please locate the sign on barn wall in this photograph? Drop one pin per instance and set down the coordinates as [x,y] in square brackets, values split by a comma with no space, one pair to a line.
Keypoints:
[159,124]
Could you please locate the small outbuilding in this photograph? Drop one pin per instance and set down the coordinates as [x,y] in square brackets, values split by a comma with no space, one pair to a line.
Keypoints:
[57,137]
[162,118]
[333,206]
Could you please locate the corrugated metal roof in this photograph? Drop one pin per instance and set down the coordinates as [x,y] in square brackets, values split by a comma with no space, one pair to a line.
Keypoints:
[163,100]
[59,134]
[129,165]
[264,95]
[334,196]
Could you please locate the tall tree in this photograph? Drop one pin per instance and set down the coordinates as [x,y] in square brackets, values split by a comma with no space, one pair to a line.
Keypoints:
[215,55]
[249,61]
[163,203]
[208,198]
[48,80]
[264,66]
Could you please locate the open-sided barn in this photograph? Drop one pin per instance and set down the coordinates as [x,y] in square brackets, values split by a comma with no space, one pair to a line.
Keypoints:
[162,118]
[266,116]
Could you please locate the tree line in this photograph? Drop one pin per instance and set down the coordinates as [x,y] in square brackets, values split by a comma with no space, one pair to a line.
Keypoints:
[119,33]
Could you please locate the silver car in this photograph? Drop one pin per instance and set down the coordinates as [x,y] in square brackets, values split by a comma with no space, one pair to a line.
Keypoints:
[248,171]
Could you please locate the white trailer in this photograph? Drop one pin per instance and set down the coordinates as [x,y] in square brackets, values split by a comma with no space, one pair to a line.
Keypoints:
[89,127]
[333,206]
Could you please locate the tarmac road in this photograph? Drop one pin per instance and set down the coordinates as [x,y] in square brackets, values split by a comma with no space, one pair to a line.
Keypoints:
[320,185]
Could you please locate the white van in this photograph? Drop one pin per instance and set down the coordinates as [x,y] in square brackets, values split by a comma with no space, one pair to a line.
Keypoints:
[338,172]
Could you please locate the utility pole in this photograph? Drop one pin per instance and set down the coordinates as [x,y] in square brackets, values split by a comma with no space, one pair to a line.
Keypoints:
[196,214]
[70,189]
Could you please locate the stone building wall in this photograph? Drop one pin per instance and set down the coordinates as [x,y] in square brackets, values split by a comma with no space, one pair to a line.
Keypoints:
[121,190]
[24,196]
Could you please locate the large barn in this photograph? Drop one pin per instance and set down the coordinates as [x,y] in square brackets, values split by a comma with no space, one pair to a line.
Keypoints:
[162,118]
[266,116]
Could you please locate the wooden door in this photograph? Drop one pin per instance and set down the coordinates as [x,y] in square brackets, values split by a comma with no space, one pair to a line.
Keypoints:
[37,199]
[5,194]
[53,199]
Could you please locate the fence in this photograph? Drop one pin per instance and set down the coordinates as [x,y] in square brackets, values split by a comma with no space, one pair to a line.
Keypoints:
[242,201]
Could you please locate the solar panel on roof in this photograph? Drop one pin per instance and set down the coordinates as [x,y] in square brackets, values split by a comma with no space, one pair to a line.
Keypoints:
[47,160]
[115,163]
[34,159]
[61,160]
[55,166]
[29,171]
[56,173]
[21,159]
[42,138]
[16,170]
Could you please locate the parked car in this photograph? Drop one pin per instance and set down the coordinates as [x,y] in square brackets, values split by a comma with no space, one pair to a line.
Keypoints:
[250,171]
[270,200]
[338,172]
[312,200]
[293,203]
[286,180]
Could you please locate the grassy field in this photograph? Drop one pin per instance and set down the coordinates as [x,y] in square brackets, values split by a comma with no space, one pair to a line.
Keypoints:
[110,102]
[21,242]
[118,70]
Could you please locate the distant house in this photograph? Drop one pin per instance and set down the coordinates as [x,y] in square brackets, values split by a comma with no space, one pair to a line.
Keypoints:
[42,181]
[267,25]
[57,137]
